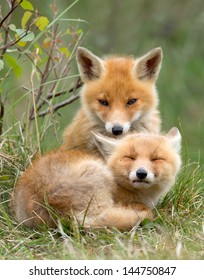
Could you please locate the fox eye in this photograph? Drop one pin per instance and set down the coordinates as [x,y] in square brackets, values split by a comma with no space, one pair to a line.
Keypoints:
[103,102]
[157,158]
[131,101]
[129,157]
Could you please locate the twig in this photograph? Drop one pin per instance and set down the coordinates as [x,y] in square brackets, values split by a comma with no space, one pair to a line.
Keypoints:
[11,160]
[78,85]
[32,61]
[1,117]
[46,71]
[49,96]
[13,7]
[34,105]
[56,107]
[14,42]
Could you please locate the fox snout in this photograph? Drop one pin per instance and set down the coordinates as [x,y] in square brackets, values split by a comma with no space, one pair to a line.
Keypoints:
[141,173]
[141,178]
[117,128]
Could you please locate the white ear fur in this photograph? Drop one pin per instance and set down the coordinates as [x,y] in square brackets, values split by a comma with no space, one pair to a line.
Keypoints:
[90,66]
[174,136]
[106,145]
[148,66]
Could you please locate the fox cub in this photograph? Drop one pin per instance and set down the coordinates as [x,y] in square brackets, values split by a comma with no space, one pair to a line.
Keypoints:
[119,96]
[120,193]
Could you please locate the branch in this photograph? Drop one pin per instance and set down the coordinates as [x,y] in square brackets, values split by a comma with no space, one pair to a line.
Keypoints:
[79,83]
[13,7]
[49,96]
[13,42]
[6,45]
[57,106]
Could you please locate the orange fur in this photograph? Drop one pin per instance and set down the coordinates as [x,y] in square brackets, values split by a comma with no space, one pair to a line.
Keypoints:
[115,80]
[153,153]
[74,183]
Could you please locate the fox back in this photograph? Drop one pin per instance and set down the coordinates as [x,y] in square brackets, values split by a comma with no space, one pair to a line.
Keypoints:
[119,96]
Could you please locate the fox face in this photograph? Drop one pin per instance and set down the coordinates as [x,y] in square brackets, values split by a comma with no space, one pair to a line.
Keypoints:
[119,91]
[142,162]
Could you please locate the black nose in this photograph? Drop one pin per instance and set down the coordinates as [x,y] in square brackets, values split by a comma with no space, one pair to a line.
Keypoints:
[141,173]
[117,130]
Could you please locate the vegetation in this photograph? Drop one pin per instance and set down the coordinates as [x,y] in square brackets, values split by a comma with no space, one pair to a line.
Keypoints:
[38,85]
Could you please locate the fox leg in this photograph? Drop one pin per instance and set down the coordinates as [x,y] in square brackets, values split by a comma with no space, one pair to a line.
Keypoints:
[143,210]
[124,218]
[39,215]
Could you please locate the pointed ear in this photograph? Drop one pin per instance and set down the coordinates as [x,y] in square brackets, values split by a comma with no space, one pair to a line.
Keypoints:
[148,66]
[174,137]
[105,144]
[90,66]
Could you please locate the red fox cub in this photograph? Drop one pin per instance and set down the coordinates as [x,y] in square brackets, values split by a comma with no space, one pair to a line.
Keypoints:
[120,193]
[119,96]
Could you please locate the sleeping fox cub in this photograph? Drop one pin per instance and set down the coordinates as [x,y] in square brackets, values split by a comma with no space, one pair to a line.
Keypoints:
[120,193]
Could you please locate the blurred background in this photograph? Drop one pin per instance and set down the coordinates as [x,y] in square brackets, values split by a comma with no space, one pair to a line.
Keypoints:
[133,27]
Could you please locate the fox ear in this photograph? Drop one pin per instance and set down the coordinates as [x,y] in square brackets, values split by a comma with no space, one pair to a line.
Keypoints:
[174,136]
[90,66]
[105,144]
[148,66]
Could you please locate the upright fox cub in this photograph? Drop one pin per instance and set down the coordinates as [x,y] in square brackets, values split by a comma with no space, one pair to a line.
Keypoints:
[140,168]
[118,96]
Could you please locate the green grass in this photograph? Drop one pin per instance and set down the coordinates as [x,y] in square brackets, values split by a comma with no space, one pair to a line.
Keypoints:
[177,231]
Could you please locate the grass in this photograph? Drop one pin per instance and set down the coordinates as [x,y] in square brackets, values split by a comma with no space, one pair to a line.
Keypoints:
[177,231]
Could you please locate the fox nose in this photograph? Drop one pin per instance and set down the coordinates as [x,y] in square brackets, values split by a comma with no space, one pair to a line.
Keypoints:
[141,173]
[117,130]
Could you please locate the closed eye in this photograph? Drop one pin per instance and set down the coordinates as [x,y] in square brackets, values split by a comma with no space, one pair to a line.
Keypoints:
[158,158]
[129,157]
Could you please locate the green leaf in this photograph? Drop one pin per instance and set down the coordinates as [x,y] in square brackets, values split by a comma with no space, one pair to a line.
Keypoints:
[79,31]
[4,177]
[14,65]
[42,23]
[29,37]
[1,64]
[12,27]
[36,46]
[65,51]
[26,5]
[68,32]
[21,44]
[20,32]
[25,19]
